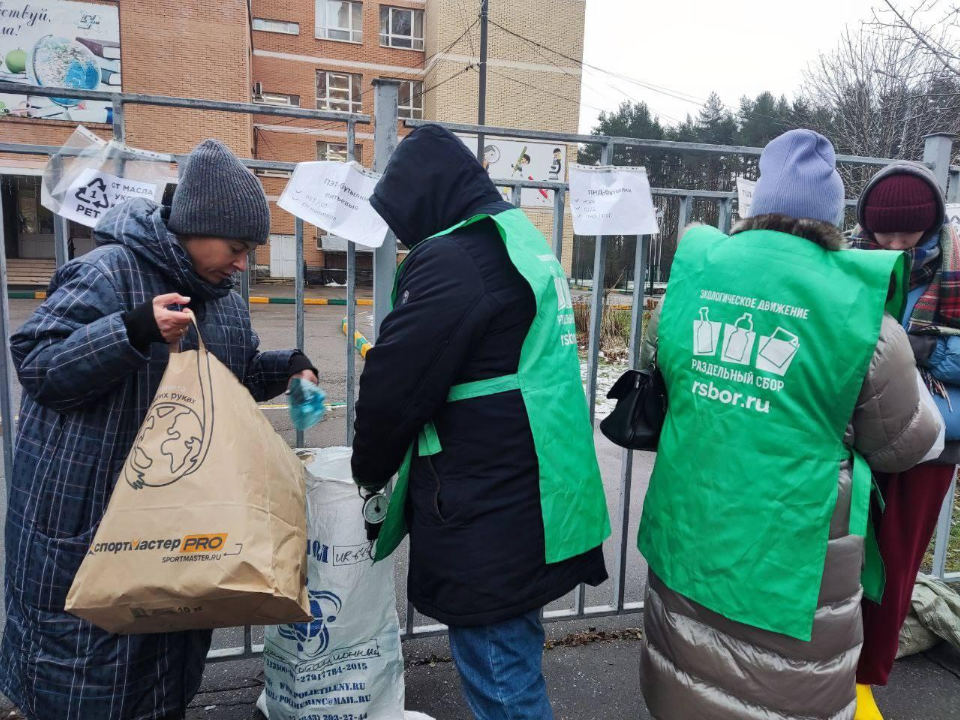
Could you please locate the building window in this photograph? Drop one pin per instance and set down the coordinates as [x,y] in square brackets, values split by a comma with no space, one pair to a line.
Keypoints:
[401,28]
[273,173]
[410,99]
[276,26]
[268,98]
[338,91]
[338,152]
[340,20]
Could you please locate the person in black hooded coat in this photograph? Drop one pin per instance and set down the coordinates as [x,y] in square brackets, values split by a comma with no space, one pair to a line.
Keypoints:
[462,313]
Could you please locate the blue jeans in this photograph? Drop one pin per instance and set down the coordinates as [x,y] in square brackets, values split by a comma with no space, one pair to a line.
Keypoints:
[501,670]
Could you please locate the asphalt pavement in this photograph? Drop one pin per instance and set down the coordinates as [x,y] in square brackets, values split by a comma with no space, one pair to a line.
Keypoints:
[592,673]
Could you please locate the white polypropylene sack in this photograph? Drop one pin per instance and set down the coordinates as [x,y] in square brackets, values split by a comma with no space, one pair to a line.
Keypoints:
[407,715]
[347,663]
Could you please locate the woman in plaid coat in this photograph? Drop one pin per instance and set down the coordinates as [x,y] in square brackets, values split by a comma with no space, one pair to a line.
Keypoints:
[90,360]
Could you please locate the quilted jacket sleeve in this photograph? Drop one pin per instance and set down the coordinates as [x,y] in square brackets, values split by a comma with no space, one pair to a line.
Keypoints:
[75,347]
[892,428]
[268,373]
[944,362]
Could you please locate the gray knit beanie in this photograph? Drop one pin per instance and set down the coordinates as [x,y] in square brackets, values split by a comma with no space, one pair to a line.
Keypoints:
[218,197]
[798,178]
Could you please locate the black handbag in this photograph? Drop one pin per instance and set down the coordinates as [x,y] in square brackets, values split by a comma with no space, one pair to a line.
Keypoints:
[637,420]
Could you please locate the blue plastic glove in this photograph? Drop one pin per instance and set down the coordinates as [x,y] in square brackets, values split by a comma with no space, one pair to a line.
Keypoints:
[306,404]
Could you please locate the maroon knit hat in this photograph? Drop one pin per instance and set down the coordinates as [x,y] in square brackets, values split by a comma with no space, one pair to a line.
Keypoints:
[901,203]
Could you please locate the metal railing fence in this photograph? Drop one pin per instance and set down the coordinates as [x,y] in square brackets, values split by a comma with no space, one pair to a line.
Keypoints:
[386,138]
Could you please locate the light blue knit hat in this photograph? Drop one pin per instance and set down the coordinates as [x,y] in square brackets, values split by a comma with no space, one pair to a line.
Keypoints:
[799,178]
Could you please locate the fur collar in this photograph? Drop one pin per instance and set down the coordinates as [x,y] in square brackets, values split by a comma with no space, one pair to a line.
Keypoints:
[823,234]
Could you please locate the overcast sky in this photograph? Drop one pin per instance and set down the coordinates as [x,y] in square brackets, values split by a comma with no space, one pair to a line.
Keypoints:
[692,47]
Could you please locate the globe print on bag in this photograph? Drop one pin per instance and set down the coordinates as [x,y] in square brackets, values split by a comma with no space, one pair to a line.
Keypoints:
[182,451]
[175,436]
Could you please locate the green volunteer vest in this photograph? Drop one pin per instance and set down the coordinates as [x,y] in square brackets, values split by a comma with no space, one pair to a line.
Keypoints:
[765,340]
[573,504]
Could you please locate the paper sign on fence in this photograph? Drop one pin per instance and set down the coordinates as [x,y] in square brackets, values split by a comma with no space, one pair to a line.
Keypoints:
[609,200]
[335,197]
[94,192]
[745,196]
[953,212]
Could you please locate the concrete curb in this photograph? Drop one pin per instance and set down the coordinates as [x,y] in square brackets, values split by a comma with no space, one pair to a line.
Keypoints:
[359,341]
[254,300]
[260,300]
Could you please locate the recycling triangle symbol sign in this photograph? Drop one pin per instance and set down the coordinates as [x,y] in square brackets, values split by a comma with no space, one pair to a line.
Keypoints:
[94,193]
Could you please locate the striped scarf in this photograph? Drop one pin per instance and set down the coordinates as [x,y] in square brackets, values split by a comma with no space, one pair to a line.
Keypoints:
[937,311]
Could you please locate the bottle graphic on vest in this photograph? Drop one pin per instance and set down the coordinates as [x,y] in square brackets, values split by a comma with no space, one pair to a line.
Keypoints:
[738,341]
[777,351]
[706,334]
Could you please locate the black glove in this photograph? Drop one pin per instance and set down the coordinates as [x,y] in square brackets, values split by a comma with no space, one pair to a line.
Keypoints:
[142,328]
[300,362]
[923,347]
[368,488]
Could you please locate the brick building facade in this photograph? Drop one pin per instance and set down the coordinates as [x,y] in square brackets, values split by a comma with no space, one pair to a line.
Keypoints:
[309,55]
[200,50]
[326,54]
[534,72]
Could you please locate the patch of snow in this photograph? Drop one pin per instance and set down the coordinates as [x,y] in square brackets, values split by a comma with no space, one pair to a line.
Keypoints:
[607,375]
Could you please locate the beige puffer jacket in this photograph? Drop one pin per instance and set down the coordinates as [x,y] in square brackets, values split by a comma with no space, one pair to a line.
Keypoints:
[698,664]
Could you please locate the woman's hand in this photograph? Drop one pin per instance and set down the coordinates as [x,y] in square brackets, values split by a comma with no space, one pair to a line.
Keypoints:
[173,324]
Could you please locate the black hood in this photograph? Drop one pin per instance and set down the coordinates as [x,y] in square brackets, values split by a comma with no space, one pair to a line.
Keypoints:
[431,183]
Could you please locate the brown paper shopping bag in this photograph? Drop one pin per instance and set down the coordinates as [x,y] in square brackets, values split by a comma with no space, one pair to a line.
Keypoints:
[206,527]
